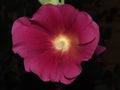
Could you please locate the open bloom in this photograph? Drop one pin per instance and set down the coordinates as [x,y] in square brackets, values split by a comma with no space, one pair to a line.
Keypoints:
[55,41]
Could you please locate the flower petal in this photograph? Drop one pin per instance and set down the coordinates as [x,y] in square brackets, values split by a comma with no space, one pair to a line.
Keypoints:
[49,17]
[45,65]
[69,14]
[65,80]
[55,68]
[100,49]
[87,50]
[84,28]
[40,65]
[71,68]
[28,39]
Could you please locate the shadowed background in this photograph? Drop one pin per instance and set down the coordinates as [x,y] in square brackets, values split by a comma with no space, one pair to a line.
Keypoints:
[104,75]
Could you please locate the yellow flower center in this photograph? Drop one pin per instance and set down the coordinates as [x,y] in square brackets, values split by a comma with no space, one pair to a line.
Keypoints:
[61,43]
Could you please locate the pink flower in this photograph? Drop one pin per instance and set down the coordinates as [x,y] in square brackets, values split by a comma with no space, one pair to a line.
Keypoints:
[55,41]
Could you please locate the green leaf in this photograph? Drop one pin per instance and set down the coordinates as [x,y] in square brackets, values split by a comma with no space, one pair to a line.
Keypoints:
[62,1]
[54,2]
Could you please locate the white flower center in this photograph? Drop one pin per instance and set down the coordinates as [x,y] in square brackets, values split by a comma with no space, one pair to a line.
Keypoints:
[61,43]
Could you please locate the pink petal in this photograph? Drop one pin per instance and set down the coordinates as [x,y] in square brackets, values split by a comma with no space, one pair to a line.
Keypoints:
[55,68]
[87,50]
[45,65]
[40,65]
[40,68]
[49,17]
[63,78]
[69,14]
[71,68]
[99,50]
[84,28]
[28,39]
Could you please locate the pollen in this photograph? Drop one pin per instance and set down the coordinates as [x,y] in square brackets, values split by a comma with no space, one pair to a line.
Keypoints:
[61,43]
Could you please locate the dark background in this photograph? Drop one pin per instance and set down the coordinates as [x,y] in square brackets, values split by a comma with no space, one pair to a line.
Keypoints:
[102,75]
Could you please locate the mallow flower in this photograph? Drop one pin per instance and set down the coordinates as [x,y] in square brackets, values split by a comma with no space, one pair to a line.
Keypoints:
[55,41]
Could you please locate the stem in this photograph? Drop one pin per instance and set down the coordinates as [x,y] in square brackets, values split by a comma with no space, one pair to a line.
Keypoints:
[54,2]
[62,1]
